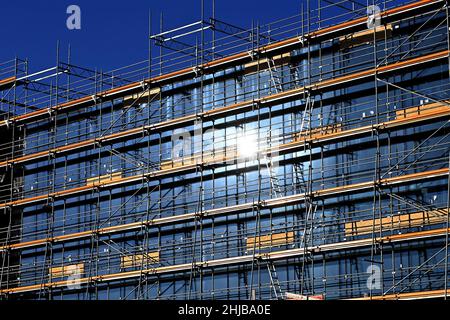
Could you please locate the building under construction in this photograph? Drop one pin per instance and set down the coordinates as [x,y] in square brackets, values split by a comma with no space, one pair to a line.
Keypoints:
[307,158]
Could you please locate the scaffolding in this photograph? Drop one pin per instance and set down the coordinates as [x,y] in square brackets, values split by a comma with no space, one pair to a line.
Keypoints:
[301,159]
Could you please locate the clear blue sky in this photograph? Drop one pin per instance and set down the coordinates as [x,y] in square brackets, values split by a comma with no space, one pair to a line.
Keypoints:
[113,33]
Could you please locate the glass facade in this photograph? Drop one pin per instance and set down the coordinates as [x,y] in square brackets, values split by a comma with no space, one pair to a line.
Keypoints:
[318,169]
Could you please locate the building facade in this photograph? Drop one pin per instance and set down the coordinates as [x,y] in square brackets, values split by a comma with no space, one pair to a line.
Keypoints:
[307,158]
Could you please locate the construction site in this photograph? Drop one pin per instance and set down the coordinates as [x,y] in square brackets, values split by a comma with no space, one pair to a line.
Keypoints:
[303,159]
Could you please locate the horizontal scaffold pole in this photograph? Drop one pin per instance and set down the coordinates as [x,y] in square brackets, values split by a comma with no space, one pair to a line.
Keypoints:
[140,178]
[276,255]
[264,204]
[430,294]
[224,111]
[7,83]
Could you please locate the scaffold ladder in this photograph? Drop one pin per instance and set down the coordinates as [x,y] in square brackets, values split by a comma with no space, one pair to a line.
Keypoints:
[274,181]
[305,125]
[300,181]
[274,281]
[275,76]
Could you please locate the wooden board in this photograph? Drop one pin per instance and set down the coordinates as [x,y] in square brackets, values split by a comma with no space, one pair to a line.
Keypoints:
[401,221]
[138,259]
[105,178]
[365,36]
[279,60]
[208,157]
[421,110]
[65,271]
[318,132]
[270,240]
[139,98]
[294,296]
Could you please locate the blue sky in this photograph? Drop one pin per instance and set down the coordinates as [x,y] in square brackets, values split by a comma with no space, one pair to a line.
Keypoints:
[113,33]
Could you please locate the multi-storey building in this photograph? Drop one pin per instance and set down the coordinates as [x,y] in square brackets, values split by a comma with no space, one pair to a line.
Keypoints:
[304,158]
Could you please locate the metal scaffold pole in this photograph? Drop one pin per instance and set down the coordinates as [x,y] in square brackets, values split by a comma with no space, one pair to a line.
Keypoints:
[298,159]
